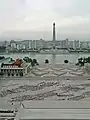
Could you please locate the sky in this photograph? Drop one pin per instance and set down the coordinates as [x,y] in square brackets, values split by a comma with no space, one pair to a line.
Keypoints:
[33,19]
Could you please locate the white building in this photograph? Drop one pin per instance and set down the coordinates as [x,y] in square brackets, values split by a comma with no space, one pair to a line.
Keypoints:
[30,44]
[13,45]
[57,44]
[25,44]
[34,46]
[84,45]
[49,44]
[76,44]
[18,47]
[71,44]
[64,43]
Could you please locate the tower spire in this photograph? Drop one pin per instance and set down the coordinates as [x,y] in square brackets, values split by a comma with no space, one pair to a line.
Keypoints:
[54,36]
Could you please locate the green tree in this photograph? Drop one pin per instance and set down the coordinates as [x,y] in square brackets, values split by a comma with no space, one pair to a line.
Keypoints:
[66,61]
[30,60]
[46,61]
[88,59]
[32,64]
[82,61]
[27,59]
[34,61]
[37,64]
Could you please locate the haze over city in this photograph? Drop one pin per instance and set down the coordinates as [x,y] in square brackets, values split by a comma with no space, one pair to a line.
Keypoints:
[32,19]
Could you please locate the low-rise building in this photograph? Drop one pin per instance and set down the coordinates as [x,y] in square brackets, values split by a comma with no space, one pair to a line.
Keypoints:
[15,68]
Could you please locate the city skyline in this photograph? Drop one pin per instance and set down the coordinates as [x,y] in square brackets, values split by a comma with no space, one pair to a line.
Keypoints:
[27,19]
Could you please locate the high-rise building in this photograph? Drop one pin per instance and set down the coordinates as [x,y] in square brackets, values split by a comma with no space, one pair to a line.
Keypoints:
[49,44]
[71,44]
[54,37]
[76,44]
[64,43]
[34,45]
[30,44]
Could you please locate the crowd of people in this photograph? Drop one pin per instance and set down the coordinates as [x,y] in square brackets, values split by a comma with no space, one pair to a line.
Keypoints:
[60,90]
[39,96]
[25,88]
[66,94]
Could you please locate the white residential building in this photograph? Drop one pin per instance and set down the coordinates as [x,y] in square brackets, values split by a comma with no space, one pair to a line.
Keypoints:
[30,44]
[84,44]
[76,44]
[18,47]
[64,43]
[34,44]
[71,44]
[57,44]
[49,44]
[13,45]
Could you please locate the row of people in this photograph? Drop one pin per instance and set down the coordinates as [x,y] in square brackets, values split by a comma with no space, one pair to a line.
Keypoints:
[39,96]
[25,88]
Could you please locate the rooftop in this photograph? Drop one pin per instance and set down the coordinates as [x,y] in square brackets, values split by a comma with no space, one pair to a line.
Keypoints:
[11,63]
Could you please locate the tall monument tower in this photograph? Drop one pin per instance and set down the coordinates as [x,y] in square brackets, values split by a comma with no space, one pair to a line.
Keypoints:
[54,37]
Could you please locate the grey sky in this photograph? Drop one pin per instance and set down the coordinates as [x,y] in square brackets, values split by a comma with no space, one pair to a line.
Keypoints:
[32,19]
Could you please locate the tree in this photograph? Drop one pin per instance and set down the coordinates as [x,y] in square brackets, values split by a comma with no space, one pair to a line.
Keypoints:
[66,61]
[82,63]
[27,59]
[85,60]
[80,60]
[30,60]
[2,57]
[35,61]
[77,64]
[88,59]
[46,61]
[37,64]
[32,64]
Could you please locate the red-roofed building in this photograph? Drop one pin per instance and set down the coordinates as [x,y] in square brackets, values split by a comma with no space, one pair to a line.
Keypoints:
[17,68]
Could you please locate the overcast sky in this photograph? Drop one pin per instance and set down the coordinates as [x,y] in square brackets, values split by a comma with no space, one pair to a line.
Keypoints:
[32,19]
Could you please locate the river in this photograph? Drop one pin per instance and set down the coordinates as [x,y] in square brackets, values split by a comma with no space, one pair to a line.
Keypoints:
[54,58]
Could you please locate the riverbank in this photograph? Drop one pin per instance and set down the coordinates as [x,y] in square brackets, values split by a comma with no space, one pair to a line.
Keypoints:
[53,58]
[33,52]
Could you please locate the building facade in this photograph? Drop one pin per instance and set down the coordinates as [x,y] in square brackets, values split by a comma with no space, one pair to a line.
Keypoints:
[76,44]
[17,68]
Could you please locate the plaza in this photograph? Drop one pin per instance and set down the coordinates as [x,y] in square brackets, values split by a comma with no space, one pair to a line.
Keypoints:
[47,89]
